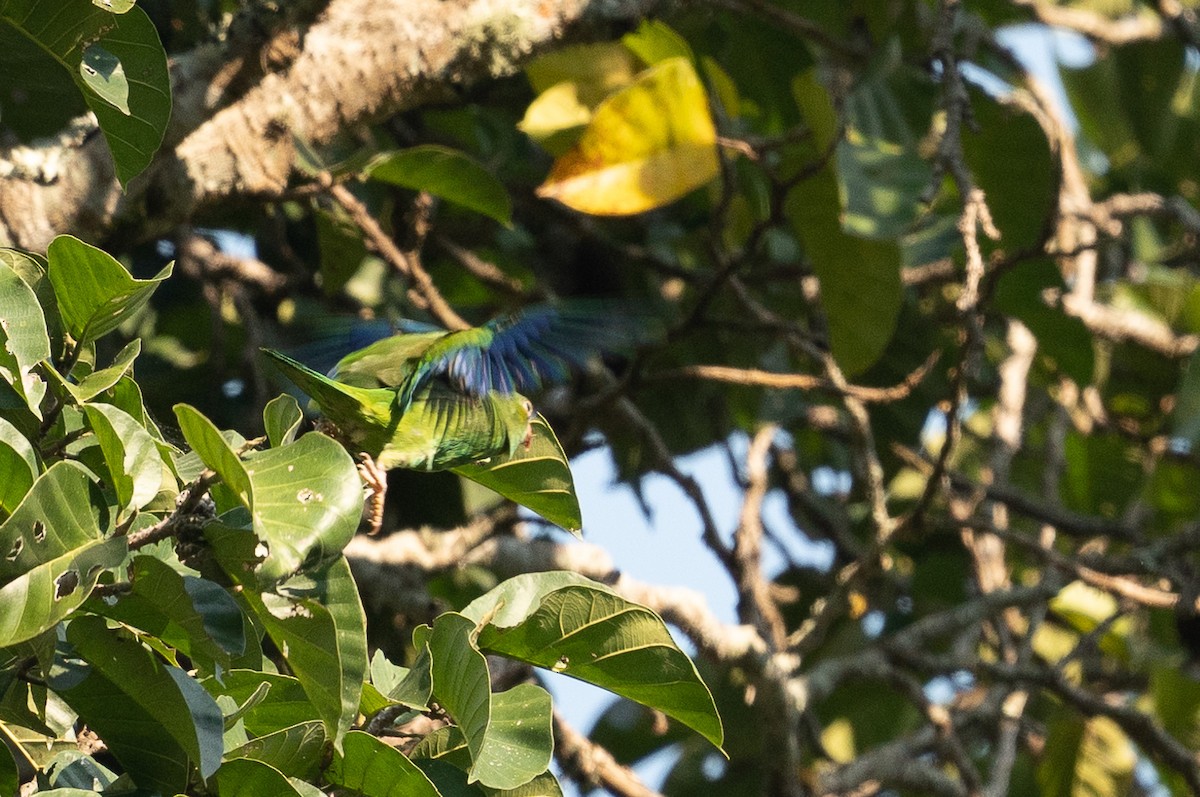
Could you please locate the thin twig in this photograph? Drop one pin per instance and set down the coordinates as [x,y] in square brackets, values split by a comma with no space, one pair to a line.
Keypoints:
[387,248]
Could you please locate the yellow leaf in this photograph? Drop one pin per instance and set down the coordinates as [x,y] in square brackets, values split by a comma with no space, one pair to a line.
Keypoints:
[647,145]
[598,70]
[556,112]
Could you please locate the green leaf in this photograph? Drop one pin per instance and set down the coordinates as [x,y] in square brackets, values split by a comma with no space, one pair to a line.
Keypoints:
[1089,757]
[306,501]
[18,463]
[371,768]
[1063,342]
[538,478]
[881,184]
[654,41]
[115,60]
[97,382]
[445,173]
[245,777]
[411,687]
[95,292]
[304,498]
[205,439]
[1185,418]
[320,629]
[283,704]
[190,614]
[156,721]
[648,144]
[24,341]
[282,417]
[130,453]
[861,291]
[10,780]
[1022,201]
[75,769]
[520,738]
[508,737]
[52,554]
[295,751]
[544,785]
[103,73]
[585,631]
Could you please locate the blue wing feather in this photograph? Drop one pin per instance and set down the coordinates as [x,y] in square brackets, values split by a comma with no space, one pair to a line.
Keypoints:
[527,351]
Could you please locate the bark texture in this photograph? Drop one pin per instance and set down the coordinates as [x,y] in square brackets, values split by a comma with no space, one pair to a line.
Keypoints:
[238,108]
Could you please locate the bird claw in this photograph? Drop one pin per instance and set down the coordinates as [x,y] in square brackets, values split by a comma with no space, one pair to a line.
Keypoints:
[375,480]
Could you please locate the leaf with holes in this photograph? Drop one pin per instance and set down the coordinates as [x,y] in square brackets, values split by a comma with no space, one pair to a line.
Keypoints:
[40,598]
[317,623]
[306,501]
[113,56]
[304,498]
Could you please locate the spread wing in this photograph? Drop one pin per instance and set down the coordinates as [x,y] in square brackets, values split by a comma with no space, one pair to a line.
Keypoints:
[527,351]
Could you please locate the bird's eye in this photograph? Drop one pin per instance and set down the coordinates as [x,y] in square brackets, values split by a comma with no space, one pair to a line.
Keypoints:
[529,408]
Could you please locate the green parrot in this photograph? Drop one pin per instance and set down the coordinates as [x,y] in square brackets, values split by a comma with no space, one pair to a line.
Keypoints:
[436,400]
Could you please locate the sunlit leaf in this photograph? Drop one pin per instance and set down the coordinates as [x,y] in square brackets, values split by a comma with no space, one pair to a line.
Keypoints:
[246,777]
[654,42]
[103,73]
[51,553]
[130,453]
[646,145]
[538,478]
[598,69]
[115,60]
[24,341]
[283,704]
[371,768]
[281,418]
[295,751]
[304,498]
[571,625]
[320,629]
[18,463]
[97,382]
[508,734]
[445,173]
[95,292]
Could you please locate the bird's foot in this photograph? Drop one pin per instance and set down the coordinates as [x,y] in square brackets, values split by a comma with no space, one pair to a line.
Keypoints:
[375,480]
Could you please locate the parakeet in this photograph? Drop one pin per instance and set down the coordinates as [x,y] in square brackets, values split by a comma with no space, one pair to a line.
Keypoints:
[434,400]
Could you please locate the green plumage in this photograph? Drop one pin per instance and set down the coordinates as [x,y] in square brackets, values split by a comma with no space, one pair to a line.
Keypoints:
[441,399]
[440,428]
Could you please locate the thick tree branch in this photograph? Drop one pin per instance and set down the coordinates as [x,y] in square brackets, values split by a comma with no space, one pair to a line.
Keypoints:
[359,62]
